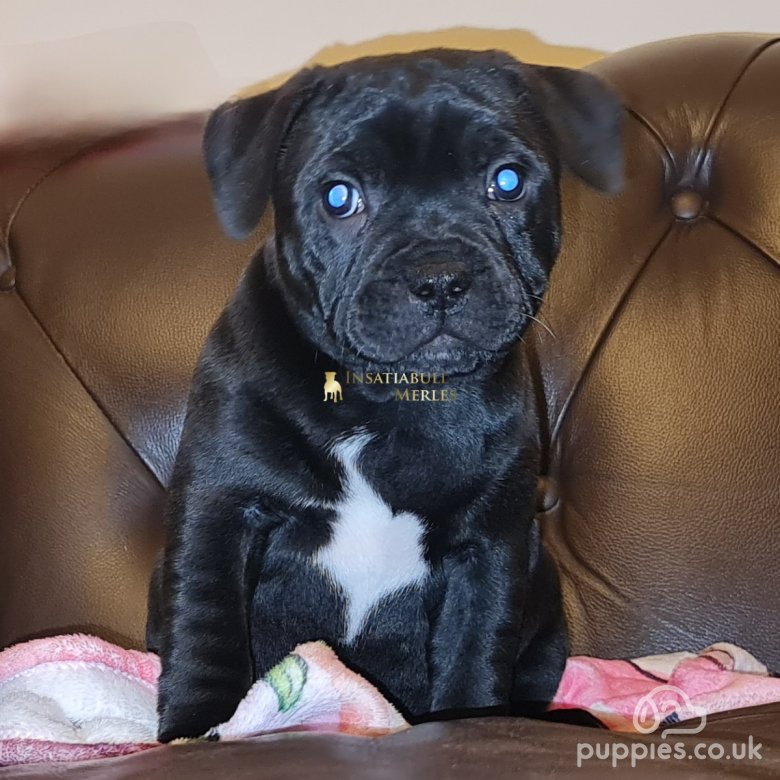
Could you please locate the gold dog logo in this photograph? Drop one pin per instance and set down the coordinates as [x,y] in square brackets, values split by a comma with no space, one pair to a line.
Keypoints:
[332,387]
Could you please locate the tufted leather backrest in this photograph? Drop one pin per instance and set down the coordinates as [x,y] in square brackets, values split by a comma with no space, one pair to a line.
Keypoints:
[115,269]
[662,496]
[661,492]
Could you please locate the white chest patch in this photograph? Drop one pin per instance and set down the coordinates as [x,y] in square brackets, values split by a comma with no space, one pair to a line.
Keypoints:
[372,552]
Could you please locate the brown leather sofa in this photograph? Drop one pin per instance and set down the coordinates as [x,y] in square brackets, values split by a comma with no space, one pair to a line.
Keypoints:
[661,490]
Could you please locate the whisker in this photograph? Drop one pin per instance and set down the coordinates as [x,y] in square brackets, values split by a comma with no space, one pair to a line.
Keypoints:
[543,324]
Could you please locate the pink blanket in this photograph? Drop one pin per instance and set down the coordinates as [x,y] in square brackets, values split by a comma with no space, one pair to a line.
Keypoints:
[77,697]
[644,694]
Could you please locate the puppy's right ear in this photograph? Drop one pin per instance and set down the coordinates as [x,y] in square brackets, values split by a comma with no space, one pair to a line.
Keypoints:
[241,144]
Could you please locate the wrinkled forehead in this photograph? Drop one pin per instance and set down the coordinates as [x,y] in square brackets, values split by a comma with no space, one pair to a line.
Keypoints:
[418,120]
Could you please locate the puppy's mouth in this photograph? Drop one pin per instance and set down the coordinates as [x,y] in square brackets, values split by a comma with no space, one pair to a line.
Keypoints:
[441,346]
[449,353]
[444,352]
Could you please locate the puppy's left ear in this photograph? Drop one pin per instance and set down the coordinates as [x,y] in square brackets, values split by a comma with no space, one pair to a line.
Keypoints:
[586,117]
[241,144]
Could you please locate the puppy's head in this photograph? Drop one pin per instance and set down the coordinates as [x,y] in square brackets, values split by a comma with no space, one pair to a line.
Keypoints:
[415,197]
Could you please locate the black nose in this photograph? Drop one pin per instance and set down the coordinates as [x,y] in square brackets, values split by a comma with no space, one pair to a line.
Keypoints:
[442,285]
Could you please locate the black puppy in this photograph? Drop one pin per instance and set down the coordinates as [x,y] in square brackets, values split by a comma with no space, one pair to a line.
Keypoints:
[416,207]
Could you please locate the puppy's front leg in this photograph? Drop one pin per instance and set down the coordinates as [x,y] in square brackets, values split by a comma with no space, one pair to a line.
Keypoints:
[204,647]
[477,630]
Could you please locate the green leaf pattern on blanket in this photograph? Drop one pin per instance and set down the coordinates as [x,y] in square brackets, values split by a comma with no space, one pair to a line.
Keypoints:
[287,679]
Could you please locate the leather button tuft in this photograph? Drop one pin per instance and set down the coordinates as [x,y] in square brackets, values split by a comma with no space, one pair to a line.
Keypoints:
[546,494]
[687,204]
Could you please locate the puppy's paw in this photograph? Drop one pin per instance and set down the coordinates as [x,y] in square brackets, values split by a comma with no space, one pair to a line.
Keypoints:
[210,736]
[193,723]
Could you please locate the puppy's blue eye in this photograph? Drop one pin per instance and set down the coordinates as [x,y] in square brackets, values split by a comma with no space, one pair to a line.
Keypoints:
[507,180]
[342,200]
[508,183]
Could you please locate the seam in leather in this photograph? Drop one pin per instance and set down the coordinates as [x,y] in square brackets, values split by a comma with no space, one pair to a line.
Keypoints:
[654,134]
[88,390]
[602,336]
[80,153]
[718,113]
[90,146]
[598,580]
[668,162]
[770,258]
[541,406]
[26,194]
[580,575]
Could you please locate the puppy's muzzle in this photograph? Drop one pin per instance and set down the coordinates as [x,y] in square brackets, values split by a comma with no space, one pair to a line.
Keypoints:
[446,306]
[439,285]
